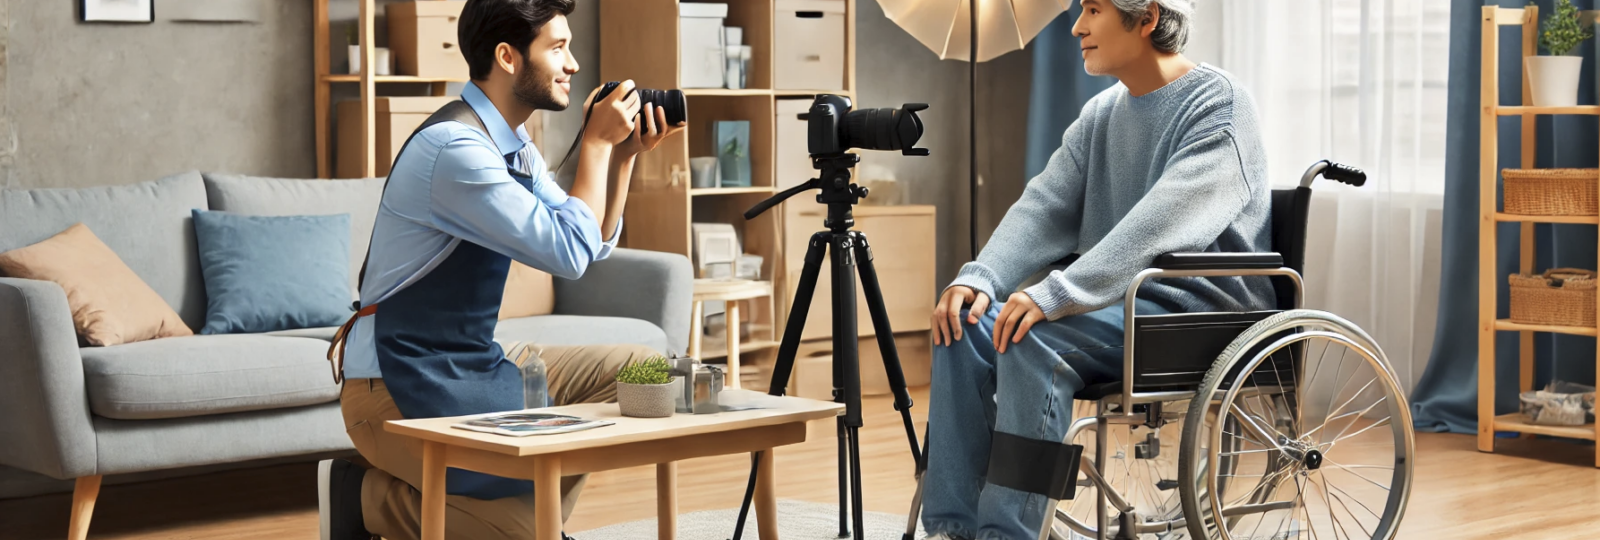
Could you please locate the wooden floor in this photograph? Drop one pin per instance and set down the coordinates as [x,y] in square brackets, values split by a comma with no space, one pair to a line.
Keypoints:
[1531,489]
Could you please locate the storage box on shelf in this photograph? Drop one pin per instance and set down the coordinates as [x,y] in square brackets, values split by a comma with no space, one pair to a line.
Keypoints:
[808,44]
[423,38]
[1531,197]
[662,203]
[431,29]
[395,119]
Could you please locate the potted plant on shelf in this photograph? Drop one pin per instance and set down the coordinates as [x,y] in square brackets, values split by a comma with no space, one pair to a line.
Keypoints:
[1553,79]
[646,389]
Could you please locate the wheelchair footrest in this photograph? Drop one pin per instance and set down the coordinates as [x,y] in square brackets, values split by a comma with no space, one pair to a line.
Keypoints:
[1046,468]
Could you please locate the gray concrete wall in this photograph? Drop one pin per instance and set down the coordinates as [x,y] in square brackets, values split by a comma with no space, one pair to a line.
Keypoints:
[94,103]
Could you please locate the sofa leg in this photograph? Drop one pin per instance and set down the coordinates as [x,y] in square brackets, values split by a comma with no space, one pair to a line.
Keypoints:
[83,497]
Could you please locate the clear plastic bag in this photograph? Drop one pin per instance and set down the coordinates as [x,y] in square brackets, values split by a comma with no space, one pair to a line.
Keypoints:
[1561,403]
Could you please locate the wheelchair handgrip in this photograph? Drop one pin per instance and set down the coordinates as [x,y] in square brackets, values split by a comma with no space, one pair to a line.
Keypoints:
[1344,173]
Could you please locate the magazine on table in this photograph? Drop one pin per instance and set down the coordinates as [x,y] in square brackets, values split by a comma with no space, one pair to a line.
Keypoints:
[523,424]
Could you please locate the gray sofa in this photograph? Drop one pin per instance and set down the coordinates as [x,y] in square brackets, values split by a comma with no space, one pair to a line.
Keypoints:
[203,402]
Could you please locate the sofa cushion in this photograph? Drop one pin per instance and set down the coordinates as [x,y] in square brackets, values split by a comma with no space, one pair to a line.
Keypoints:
[261,196]
[324,333]
[270,273]
[110,304]
[581,330]
[146,224]
[203,375]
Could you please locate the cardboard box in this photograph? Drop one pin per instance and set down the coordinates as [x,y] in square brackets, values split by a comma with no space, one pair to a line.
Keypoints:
[808,45]
[422,36]
[395,119]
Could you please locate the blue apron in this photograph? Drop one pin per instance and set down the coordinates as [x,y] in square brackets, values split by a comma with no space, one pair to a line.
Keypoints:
[435,339]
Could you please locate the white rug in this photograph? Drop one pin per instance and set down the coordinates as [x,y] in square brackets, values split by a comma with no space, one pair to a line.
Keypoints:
[797,520]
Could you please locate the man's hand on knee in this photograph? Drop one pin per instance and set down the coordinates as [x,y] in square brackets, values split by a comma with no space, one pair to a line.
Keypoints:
[947,314]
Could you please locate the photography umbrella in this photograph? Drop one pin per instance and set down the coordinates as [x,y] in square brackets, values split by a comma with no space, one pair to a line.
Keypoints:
[947,27]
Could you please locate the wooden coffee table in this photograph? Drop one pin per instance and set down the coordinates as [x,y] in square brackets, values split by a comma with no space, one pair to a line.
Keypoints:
[632,442]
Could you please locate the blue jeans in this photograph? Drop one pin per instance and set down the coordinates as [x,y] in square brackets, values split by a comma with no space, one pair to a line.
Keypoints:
[1027,392]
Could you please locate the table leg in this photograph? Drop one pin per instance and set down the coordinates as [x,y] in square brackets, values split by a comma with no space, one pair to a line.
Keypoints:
[733,343]
[696,319]
[433,490]
[667,500]
[547,497]
[766,497]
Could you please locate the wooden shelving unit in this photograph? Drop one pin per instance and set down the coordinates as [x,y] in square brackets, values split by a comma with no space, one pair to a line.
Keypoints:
[639,41]
[1488,277]
[367,79]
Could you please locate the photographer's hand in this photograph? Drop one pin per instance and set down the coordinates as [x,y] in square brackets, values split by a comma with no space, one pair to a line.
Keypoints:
[649,132]
[1019,314]
[947,314]
[612,120]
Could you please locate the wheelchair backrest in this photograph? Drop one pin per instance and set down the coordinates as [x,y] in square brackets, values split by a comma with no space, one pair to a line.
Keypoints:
[1289,210]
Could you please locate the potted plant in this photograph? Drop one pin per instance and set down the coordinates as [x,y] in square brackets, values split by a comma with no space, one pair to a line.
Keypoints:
[646,389]
[1554,79]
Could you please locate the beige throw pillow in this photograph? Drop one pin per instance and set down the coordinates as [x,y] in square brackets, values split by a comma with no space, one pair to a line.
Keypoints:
[110,304]
[529,292]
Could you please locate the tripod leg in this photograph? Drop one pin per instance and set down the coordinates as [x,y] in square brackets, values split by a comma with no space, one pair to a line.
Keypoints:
[846,364]
[787,350]
[916,499]
[797,313]
[880,326]
[855,482]
[844,479]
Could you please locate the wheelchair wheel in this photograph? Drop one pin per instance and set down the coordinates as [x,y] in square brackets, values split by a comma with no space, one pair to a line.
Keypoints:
[1318,410]
[1141,463]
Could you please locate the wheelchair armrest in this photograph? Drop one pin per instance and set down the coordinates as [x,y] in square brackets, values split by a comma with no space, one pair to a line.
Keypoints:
[1218,261]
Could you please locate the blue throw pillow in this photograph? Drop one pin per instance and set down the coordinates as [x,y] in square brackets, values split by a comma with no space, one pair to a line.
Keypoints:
[267,273]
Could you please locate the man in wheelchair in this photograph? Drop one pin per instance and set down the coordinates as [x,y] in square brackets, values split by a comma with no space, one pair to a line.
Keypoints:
[1169,160]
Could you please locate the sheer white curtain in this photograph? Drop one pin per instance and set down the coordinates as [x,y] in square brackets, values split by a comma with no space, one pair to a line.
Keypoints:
[1361,82]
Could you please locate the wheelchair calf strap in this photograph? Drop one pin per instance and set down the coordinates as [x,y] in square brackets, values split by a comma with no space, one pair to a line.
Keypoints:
[1033,466]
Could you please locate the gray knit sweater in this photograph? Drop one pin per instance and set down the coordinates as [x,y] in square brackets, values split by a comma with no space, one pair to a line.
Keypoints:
[1181,169]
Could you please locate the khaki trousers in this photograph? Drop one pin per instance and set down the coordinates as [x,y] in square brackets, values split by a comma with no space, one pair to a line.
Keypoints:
[391,501]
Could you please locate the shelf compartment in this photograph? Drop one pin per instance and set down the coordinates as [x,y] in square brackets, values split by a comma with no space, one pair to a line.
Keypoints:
[1508,326]
[696,192]
[1505,110]
[338,78]
[705,111]
[711,92]
[1520,424]
[1518,218]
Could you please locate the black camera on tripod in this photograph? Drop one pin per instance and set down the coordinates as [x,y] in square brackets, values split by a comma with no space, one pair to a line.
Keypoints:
[832,127]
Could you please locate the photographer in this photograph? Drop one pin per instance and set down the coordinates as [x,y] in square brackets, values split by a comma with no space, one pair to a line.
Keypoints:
[467,195]
[1169,160]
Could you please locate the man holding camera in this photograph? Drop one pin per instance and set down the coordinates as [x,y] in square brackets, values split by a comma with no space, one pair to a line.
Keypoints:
[466,196]
[1169,160]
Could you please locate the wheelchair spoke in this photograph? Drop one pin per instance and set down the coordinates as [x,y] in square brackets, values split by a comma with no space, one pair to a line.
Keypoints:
[1337,466]
[1383,422]
[1363,412]
[1330,418]
[1335,395]
[1347,495]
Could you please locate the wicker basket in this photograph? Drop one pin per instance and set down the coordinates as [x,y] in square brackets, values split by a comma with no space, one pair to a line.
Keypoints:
[1559,297]
[1552,192]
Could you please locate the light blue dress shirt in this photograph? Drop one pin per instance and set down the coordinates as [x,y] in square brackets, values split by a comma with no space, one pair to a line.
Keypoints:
[452,184]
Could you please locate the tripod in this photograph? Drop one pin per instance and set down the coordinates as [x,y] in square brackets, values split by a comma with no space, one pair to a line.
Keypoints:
[849,252]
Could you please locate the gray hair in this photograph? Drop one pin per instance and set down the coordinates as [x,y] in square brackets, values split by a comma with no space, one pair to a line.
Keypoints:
[1172,27]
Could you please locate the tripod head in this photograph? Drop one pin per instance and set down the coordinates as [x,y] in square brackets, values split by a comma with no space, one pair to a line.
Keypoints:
[838,192]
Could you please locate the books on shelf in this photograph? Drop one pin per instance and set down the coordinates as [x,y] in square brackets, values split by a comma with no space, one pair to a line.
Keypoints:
[523,424]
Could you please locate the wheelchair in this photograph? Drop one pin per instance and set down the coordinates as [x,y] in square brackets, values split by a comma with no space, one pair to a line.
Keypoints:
[1266,425]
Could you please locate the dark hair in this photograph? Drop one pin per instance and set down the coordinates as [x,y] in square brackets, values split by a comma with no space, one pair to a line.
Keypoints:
[485,24]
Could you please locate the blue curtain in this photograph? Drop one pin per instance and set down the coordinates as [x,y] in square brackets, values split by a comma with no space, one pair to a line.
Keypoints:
[1060,88]
[1445,399]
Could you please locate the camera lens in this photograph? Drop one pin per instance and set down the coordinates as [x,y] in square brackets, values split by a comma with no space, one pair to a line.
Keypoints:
[881,129]
[669,100]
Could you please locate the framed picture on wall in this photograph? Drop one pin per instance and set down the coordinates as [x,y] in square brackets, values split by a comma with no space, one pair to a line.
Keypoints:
[130,11]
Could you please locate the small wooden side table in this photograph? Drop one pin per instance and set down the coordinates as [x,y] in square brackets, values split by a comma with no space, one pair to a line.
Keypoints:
[631,442]
[731,292]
